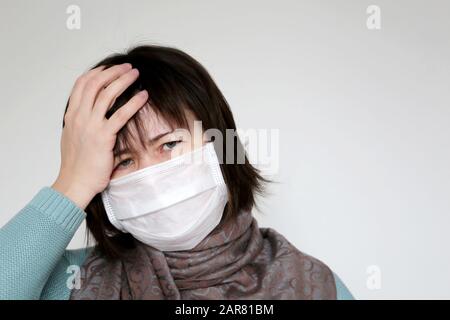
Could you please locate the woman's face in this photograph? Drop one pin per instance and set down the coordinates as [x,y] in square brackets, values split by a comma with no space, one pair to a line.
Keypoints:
[163,143]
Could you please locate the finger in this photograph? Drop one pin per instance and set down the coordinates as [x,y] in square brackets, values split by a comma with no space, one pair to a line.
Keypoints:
[98,82]
[77,89]
[108,96]
[127,111]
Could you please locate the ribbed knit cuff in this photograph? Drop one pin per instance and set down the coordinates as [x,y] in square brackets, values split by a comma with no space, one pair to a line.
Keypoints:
[58,208]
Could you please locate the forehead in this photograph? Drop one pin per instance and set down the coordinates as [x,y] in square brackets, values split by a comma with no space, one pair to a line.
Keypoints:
[153,124]
[140,129]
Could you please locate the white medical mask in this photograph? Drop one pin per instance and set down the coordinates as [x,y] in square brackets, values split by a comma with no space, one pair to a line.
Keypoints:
[172,205]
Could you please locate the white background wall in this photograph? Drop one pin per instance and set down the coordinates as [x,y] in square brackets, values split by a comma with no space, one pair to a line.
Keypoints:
[363,115]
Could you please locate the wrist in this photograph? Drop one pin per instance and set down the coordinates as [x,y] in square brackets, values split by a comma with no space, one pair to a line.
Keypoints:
[74,191]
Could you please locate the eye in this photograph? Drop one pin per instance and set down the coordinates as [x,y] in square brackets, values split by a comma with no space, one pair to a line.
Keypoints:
[125,163]
[168,146]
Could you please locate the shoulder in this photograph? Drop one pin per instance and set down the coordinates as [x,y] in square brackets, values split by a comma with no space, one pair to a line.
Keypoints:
[319,271]
[77,256]
[58,285]
[342,292]
[318,279]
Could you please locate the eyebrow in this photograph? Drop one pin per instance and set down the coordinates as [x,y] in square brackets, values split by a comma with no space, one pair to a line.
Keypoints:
[150,141]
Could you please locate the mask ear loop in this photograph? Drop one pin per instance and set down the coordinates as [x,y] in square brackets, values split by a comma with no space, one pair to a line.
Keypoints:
[214,164]
[217,171]
[210,140]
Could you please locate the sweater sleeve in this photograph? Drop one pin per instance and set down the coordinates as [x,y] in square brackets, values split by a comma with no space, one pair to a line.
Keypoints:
[34,241]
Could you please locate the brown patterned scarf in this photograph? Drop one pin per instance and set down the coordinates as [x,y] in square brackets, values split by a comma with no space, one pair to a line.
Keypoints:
[237,261]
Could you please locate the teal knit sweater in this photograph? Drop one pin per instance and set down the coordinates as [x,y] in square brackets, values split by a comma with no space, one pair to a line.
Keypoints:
[34,262]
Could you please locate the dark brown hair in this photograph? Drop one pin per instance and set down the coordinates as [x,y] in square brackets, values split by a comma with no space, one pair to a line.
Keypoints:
[175,82]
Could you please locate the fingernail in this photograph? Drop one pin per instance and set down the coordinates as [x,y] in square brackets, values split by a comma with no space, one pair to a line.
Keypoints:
[143,93]
[127,65]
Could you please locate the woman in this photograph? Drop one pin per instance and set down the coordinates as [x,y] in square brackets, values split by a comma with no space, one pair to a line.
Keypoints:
[166,227]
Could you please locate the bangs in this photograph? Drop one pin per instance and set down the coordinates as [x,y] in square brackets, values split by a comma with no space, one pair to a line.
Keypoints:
[167,100]
[136,131]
